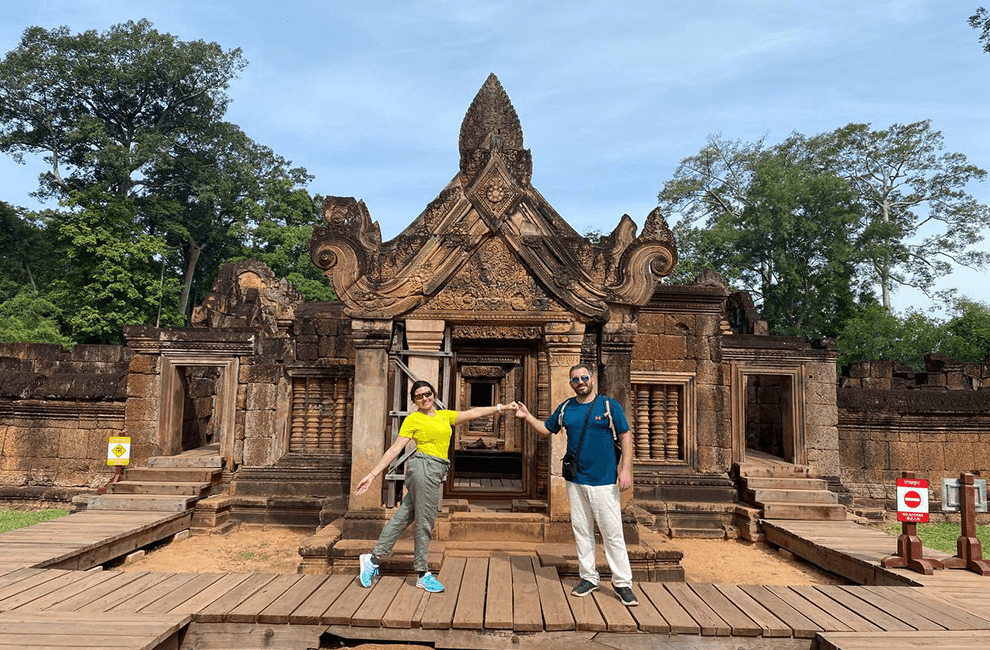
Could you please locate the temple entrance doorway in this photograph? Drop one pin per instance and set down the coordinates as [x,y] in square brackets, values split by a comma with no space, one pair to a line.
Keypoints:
[197,404]
[768,414]
[493,458]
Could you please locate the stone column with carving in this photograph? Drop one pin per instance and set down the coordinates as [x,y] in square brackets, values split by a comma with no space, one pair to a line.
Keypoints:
[425,336]
[563,341]
[618,337]
[371,400]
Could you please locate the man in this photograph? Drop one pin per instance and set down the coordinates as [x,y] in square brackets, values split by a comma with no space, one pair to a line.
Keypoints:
[593,491]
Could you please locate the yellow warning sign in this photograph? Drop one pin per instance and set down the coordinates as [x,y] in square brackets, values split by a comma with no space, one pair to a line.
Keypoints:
[119,451]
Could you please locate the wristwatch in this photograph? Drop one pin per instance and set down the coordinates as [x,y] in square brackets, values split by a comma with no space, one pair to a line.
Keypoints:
[498,408]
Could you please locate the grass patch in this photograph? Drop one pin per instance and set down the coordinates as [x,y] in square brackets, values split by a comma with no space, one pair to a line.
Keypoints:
[942,537]
[14,519]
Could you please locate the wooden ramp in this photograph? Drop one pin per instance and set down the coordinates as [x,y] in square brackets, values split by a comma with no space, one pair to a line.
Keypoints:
[486,599]
[66,630]
[87,539]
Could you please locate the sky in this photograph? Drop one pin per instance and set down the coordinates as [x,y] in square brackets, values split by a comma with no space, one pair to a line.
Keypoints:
[369,96]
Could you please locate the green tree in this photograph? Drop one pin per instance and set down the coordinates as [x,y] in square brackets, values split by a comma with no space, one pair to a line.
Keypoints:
[981,20]
[967,332]
[919,220]
[29,318]
[103,109]
[876,333]
[771,223]
[111,273]
[24,251]
[130,123]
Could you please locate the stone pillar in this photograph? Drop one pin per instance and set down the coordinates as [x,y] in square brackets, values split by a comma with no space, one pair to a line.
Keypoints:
[371,401]
[618,337]
[563,341]
[425,336]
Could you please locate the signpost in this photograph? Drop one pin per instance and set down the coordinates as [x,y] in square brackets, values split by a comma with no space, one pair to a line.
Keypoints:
[969,550]
[912,507]
[118,455]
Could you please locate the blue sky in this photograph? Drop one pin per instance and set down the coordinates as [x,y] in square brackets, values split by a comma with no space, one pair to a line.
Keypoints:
[369,96]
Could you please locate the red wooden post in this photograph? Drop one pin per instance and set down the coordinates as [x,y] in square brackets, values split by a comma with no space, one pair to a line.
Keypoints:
[909,548]
[969,551]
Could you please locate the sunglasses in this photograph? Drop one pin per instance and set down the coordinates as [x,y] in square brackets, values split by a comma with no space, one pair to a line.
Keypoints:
[423,395]
[580,379]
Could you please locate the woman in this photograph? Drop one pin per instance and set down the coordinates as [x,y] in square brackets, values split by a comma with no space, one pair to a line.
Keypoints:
[426,469]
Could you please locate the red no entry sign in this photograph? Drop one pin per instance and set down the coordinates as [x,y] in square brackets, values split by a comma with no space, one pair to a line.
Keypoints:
[912,500]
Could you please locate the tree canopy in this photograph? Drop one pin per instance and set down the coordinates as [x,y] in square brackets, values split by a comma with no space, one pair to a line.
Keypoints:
[156,191]
[817,224]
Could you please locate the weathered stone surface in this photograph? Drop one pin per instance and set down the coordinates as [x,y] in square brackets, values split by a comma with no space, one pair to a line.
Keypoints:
[259,424]
[260,396]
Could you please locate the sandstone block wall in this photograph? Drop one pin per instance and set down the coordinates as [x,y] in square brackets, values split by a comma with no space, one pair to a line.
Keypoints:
[891,419]
[57,410]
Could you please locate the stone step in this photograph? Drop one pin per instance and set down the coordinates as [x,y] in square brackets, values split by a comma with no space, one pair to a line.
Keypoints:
[171,474]
[155,502]
[768,483]
[789,496]
[495,527]
[697,533]
[163,488]
[186,461]
[782,470]
[804,511]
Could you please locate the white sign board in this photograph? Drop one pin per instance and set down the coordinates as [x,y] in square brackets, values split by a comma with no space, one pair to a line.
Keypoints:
[912,500]
[119,451]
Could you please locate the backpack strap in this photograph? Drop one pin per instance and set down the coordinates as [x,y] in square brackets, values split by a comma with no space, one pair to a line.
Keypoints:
[611,423]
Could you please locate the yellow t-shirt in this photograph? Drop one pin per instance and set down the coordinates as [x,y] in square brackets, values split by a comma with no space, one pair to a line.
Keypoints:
[432,434]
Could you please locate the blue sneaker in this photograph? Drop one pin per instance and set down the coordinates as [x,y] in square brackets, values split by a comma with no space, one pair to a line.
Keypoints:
[429,583]
[369,571]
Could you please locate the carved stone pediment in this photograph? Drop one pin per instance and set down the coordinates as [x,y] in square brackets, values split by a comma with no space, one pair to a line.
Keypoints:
[489,242]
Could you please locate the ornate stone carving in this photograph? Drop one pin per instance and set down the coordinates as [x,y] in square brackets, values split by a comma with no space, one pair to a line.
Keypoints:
[491,124]
[246,294]
[490,200]
[497,332]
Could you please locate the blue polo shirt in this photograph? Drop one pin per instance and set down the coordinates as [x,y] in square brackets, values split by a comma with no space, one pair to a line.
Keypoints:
[597,463]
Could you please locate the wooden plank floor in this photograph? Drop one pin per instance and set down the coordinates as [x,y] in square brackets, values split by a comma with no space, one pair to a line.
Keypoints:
[86,538]
[60,630]
[526,598]
[855,552]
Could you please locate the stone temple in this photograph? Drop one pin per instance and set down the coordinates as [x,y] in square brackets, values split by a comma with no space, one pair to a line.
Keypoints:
[491,296]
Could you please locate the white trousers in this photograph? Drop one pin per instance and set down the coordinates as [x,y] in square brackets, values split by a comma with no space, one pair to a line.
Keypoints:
[599,504]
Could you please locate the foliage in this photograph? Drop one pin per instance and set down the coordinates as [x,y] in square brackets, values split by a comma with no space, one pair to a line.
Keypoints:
[981,20]
[281,241]
[878,334]
[942,536]
[28,318]
[14,519]
[105,108]
[26,260]
[112,272]
[919,220]
[914,219]
[774,224]
[157,191]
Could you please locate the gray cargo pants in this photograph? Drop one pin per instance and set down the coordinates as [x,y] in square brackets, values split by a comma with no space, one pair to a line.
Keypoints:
[424,476]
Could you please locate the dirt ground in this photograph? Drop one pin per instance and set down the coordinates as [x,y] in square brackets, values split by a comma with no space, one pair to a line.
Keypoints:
[257,549]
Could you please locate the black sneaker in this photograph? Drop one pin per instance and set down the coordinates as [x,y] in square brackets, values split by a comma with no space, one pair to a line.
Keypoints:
[627,596]
[584,588]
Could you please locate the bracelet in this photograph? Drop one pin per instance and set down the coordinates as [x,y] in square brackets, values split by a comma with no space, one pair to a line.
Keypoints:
[498,408]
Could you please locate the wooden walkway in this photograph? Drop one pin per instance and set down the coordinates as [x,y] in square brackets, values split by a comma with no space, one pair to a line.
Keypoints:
[501,594]
[87,539]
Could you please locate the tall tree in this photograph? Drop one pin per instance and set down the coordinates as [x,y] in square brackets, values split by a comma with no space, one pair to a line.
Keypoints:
[785,237]
[104,108]
[981,20]
[130,122]
[919,220]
